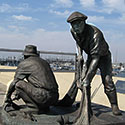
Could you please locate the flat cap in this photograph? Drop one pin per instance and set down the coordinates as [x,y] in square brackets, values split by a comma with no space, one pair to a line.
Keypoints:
[75,16]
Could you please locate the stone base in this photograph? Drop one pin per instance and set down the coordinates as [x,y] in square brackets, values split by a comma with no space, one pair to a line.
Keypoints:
[102,116]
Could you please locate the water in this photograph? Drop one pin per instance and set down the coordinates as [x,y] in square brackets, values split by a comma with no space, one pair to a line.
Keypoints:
[120,84]
[121,74]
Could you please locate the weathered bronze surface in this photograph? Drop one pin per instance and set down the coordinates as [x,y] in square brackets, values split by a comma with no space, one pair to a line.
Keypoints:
[102,116]
[34,83]
[91,40]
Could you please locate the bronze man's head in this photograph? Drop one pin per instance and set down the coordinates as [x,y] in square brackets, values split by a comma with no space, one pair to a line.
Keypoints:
[30,50]
[77,21]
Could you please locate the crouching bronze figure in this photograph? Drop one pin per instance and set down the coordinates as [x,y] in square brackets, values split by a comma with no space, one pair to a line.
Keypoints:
[34,83]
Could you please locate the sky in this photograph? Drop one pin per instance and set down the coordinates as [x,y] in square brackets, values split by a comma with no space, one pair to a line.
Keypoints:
[43,23]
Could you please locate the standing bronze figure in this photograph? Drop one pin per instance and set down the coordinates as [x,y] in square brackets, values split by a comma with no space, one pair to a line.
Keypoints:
[91,40]
[34,83]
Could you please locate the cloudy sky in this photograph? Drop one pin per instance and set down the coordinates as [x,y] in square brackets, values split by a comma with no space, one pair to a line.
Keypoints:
[43,23]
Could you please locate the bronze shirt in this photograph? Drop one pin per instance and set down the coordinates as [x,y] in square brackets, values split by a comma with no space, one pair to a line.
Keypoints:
[38,72]
[92,41]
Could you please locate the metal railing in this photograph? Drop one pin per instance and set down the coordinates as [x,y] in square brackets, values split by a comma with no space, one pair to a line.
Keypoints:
[40,52]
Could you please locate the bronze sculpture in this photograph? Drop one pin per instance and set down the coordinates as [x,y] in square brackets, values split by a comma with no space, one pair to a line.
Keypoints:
[34,82]
[90,39]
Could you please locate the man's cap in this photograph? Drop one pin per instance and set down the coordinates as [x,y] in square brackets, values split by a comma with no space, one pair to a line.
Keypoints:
[75,16]
[30,50]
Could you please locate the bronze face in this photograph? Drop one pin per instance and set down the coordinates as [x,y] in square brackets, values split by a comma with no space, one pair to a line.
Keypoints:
[78,26]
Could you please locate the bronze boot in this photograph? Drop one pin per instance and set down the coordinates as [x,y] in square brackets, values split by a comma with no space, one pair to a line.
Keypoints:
[115,109]
[113,101]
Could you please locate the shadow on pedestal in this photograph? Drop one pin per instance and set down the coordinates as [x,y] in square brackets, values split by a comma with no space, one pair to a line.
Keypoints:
[102,116]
